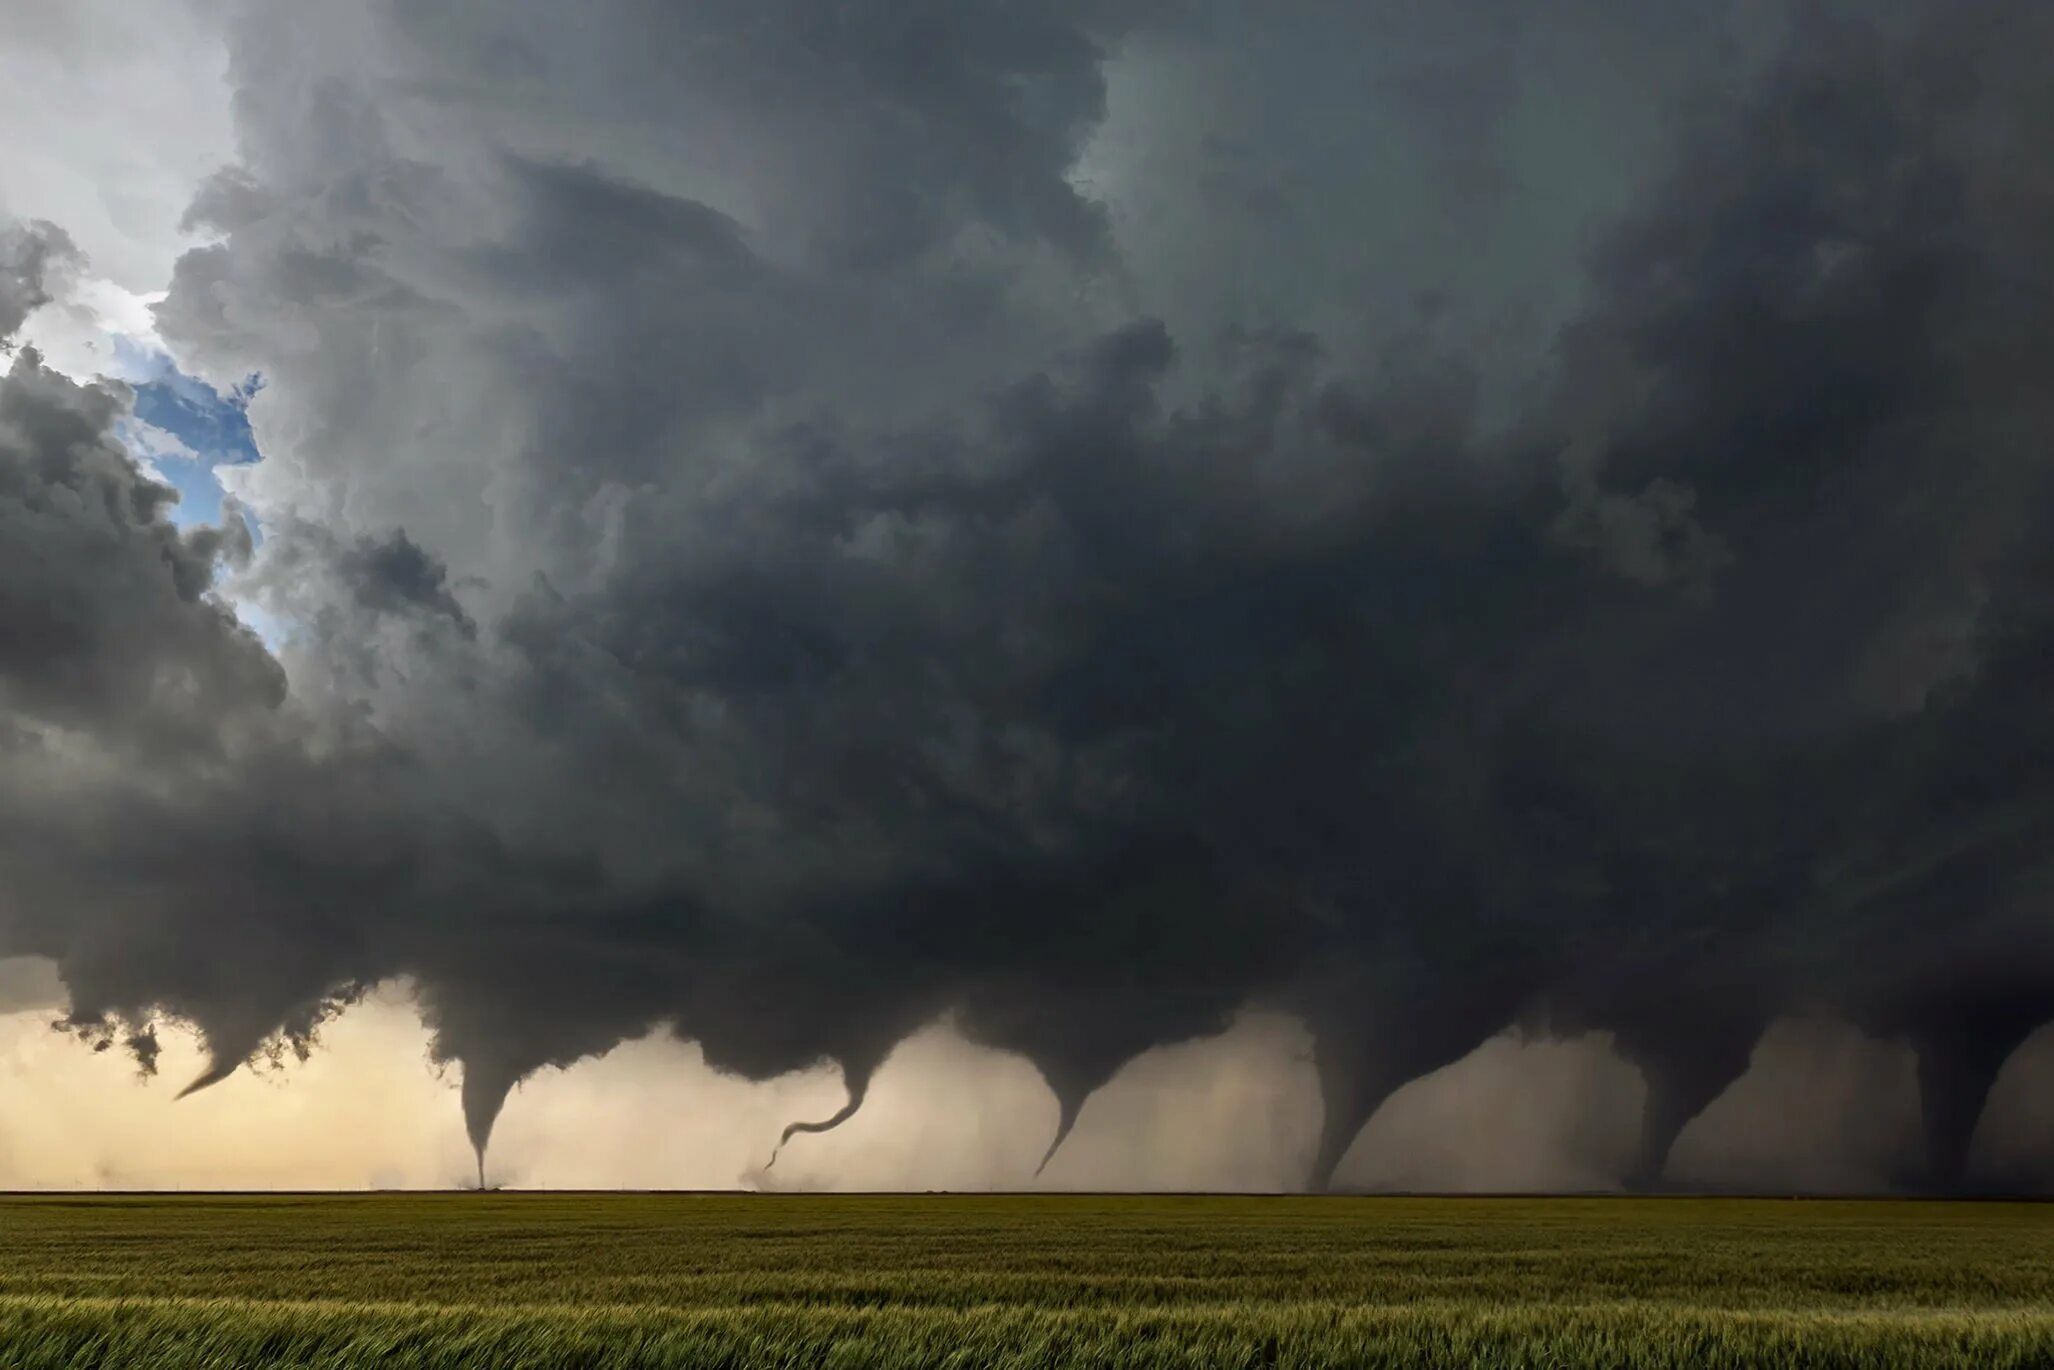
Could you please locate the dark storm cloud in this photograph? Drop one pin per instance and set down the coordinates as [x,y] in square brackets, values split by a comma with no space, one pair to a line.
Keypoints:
[756,562]
[29,255]
[106,620]
[395,576]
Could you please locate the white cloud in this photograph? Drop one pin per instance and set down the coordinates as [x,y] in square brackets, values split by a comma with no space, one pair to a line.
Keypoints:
[110,113]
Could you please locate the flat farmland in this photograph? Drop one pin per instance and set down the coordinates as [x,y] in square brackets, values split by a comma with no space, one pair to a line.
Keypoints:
[1018,1280]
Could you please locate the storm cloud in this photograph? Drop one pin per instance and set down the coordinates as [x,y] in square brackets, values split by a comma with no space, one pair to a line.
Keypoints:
[790,523]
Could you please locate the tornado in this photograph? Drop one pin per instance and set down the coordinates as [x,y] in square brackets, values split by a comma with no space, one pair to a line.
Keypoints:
[231,1041]
[216,1071]
[1959,1058]
[1364,1052]
[1129,964]
[1687,1058]
[1073,1081]
[1070,1107]
[487,1082]
[856,1080]
[1079,1041]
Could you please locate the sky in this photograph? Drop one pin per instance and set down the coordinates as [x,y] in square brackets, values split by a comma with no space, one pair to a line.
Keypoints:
[960,593]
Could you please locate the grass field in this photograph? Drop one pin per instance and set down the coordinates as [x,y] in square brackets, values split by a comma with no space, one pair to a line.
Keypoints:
[619,1280]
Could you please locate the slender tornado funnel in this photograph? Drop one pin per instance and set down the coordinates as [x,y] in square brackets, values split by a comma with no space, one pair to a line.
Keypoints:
[1074,1072]
[214,1074]
[1959,1058]
[1366,1051]
[229,1045]
[1688,1056]
[486,1084]
[856,1080]
[1070,1106]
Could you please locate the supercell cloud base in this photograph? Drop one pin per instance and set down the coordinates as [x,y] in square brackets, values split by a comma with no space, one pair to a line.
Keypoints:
[1109,586]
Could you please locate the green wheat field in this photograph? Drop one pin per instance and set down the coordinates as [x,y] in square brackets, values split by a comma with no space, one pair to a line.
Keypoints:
[1022,1280]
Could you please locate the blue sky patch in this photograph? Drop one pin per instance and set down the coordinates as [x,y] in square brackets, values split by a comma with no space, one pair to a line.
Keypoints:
[186,429]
